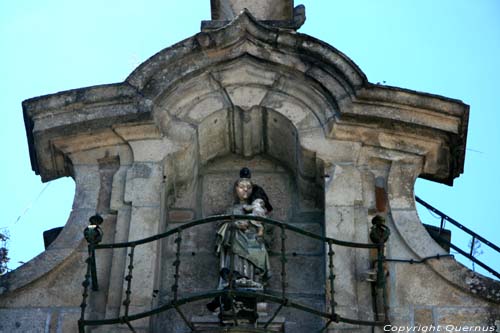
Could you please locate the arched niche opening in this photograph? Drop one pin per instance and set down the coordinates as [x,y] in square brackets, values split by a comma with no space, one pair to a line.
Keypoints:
[268,143]
[263,140]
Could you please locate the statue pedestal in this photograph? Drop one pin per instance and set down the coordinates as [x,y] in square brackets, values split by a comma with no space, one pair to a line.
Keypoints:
[212,323]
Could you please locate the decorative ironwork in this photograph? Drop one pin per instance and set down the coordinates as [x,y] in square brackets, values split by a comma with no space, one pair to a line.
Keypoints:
[229,294]
[475,237]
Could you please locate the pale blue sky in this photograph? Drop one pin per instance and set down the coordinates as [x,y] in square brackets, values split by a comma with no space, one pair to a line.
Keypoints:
[446,47]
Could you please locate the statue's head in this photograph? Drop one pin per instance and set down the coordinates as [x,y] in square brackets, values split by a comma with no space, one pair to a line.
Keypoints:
[243,189]
[243,186]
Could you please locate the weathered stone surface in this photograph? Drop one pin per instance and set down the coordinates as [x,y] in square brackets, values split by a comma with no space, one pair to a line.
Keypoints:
[280,130]
[467,316]
[197,273]
[400,316]
[88,156]
[58,287]
[344,187]
[213,136]
[143,184]
[198,239]
[303,274]
[87,183]
[226,10]
[423,317]
[177,215]
[119,257]
[246,97]
[24,320]
[233,163]
[420,277]
[152,150]
[400,185]
[248,132]
[118,188]
[299,321]
[223,185]
[414,234]
[298,244]
[72,234]
[67,321]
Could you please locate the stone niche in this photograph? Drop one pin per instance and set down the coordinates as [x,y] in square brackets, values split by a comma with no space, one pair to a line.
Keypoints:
[293,180]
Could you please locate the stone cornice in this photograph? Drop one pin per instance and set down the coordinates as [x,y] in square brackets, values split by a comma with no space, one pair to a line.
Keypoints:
[355,101]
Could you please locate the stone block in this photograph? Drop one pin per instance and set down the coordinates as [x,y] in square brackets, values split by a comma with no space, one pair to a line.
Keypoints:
[248,132]
[311,195]
[414,234]
[344,187]
[143,184]
[185,97]
[68,321]
[331,151]
[87,156]
[305,96]
[232,164]
[281,139]
[24,320]
[180,132]
[118,188]
[425,290]
[144,222]
[400,316]
[300,244]
[197,273]
[340,223]
[297,321]
[200,238]
[227,10]
[55,266]
[245,72]
[72,233]
[305,274]
[213,136]
[466,316]
[178,215]
[217,193]
[246,97]
[423,317]
[152,150]
[87,184]
[204,105]
[400,185]
[290,108]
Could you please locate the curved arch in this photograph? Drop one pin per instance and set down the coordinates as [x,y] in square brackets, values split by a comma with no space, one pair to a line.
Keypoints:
[245,83]
[418,240]
[244,35]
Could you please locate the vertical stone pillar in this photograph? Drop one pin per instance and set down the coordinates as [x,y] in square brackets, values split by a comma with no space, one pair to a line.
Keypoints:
[343,205]
[143,187]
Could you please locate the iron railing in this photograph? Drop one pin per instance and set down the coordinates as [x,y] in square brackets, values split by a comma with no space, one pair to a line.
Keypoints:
[475,237]
[94,236]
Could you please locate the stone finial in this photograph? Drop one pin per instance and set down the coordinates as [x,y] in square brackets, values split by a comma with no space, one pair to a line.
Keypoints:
[262,10]
[278,13]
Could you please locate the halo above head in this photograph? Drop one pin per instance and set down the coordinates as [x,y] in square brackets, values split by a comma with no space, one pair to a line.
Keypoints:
[245,173]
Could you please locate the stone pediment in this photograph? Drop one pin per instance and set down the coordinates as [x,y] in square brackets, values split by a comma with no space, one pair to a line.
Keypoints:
[163,148]
[305,79]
